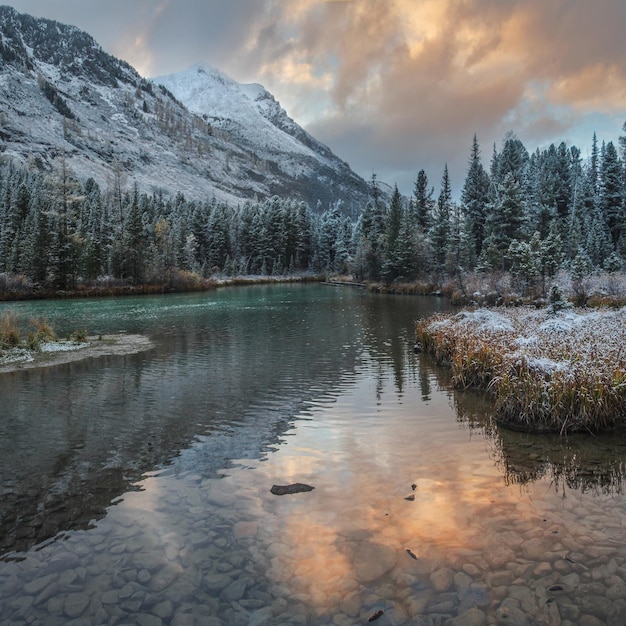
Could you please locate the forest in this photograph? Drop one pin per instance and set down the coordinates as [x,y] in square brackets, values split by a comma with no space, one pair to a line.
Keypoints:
[528,216]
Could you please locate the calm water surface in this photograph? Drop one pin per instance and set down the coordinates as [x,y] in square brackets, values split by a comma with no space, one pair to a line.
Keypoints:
[136,489]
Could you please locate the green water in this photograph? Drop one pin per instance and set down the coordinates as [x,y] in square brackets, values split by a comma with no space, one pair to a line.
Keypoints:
[136,489]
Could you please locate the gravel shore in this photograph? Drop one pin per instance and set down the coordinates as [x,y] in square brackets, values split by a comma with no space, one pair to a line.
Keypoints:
[66,351]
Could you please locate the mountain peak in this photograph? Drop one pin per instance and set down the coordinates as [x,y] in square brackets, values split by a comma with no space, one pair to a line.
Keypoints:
[198,132]
[247,111]
[30,43]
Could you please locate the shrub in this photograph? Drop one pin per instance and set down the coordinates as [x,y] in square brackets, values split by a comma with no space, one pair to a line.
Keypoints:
[9,331]
[80,336]
[42,329]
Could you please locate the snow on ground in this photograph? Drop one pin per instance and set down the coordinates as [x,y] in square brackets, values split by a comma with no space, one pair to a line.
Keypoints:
[61,346]
[58,352]
[567,341]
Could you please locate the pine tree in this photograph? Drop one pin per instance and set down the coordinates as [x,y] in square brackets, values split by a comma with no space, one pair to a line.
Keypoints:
[406,256]
[393,224]
[513,160]
[440,230]
[304,237]
[370,232]
[134,244]
[475,197]
[594,164]
[422,201]
[65,247]
[506,218]
[217,237]
[37,240]
[523,260]
[612,192]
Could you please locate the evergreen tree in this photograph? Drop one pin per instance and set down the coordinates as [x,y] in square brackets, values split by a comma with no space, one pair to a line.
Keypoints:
[370,232]
[422,201]
[406,255]
[611,192]
[217,237]
[594,164]
[134,244]
[304,237]
[475,197]
[512,161]
[392,232]
[65,245]
[34,262]
[440,230]
[505,221]
[598,242]
[524,262]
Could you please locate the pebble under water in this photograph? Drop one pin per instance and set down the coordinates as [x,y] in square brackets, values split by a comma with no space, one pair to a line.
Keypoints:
[138,489]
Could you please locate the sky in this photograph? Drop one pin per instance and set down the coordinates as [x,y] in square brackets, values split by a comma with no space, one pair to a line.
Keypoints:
[392,86]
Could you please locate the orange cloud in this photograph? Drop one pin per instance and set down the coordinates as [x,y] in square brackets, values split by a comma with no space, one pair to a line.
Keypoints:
[420,77]
[596,88]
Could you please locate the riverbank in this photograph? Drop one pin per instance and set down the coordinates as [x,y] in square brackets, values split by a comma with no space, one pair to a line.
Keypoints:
[562,372]
[181,282]
[189,283]
[59,352]
[268,280]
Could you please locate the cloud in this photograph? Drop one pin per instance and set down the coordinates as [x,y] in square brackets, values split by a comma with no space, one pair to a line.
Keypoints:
[412,81]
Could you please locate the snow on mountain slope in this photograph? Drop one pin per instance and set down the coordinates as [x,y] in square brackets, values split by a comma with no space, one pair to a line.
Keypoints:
[234,108]
[250,116]
[63,99]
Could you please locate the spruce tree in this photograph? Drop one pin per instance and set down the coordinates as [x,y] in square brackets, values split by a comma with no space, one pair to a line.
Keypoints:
[475,197]
[612,192]
[393,224]
[440,230]
[505,222]
[422,200]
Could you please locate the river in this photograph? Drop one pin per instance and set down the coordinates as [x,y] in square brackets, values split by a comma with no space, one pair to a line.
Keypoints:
[136,489]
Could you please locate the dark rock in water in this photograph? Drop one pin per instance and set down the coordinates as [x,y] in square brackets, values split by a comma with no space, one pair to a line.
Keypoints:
[283,490]
[414,486]
[417,347]
[410,498]
[376,616]
[411,553]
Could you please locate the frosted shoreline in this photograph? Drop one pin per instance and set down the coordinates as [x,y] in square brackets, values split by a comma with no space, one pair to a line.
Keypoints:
[61,352]
[561,373]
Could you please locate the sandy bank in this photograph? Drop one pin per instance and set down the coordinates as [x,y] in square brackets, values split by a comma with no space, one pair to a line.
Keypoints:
[60,352]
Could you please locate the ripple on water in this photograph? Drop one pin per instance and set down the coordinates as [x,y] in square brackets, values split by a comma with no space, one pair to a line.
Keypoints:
[418,511]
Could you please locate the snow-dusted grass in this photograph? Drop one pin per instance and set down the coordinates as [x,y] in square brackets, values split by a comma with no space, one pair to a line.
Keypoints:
[564,372]
[41,338]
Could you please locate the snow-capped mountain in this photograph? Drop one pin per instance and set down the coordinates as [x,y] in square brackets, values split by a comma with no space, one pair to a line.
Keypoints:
[64,99]
[249,116]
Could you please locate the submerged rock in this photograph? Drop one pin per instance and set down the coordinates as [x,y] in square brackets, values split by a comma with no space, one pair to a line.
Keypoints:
[376,616]
[282,490]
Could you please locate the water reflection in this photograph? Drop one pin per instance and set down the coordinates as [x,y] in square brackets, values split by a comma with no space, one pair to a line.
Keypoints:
[583,462]
[417,509]
[231,368]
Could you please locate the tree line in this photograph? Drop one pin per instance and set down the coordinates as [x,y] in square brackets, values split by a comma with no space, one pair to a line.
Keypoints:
[59,232]
[529,214]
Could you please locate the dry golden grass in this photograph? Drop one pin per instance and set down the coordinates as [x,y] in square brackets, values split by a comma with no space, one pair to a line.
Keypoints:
[562,373]
[9,331]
